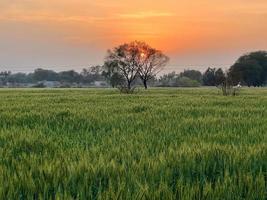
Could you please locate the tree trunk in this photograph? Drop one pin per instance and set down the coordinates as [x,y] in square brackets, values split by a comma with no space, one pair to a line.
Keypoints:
[129,85]
[145,84]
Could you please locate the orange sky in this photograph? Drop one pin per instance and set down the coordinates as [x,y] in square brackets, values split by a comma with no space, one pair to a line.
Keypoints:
[63,34]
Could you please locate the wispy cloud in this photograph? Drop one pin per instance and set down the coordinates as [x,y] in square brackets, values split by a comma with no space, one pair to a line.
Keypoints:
[50,17]
[17,16]
[142,15]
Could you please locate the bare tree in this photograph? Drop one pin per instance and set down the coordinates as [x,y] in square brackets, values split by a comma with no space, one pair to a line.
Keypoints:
[125,58]
[136,59]
[227,86]
[150,62]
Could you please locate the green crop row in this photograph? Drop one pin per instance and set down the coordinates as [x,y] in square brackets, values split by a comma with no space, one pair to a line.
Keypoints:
[160,144]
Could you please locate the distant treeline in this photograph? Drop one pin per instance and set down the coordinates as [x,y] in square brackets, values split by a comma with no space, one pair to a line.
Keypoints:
[249,69]
[40,76]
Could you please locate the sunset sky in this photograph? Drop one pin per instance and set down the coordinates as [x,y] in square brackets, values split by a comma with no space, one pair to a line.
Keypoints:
[72,34]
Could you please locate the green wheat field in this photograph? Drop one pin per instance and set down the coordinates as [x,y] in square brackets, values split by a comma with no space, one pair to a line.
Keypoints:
[160,144]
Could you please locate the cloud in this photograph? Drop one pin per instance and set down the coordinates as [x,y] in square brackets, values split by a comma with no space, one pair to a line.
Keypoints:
[32,16]
[143,15]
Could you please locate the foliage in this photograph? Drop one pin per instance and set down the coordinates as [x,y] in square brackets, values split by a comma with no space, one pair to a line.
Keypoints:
[130,65]
[4,77]
[176,80]
[220,77]
[228,88]
[192,74]
[91,74]
[209,77]
[112,75]
[124,60]
[250,69]
[20,78]
[69,76]
[43,74]
[186,82]
[87,76]
[168,80]
[39,85]
[132,61]
[213,77]
[150,62]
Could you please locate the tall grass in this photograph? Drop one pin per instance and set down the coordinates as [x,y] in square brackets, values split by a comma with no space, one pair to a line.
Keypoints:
[164,144]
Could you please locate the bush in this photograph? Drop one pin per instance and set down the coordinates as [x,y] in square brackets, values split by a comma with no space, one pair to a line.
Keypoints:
[186,82]
[126,90]
[39,85]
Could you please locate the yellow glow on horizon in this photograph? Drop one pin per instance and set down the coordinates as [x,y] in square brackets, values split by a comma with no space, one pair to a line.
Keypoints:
[174,26]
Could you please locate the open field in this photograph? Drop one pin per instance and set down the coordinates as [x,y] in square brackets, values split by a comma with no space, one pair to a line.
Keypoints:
[163,144]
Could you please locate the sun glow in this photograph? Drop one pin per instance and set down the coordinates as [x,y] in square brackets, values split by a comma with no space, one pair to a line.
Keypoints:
[49,29]
[143,55]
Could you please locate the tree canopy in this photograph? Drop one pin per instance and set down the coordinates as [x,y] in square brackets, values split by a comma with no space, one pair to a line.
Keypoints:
[192,74]
[213,77]
[135,59]
[250,69]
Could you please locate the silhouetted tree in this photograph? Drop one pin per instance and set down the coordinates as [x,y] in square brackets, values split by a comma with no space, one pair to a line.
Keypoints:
[219,77]
[184,81]
[124,60]
[92,74]
[213,77]
[209,77]
[149,61]
[250,69]
[135,59]
[176,80]
[45,75]
[70,76]
[4,77]
[20,78]
[192,74]
[116,79]
[112,74]
[168,80]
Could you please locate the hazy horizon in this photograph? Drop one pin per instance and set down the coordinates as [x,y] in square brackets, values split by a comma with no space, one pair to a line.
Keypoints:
[62,35]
